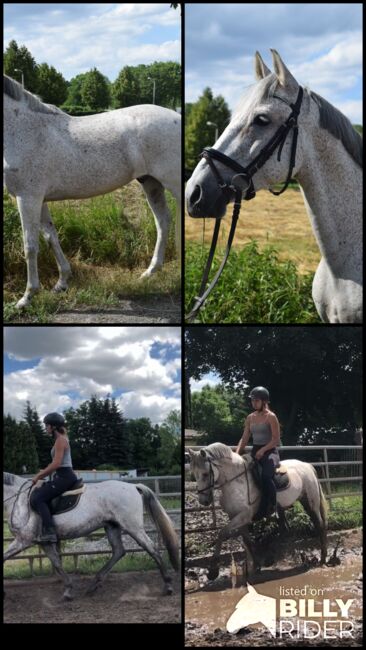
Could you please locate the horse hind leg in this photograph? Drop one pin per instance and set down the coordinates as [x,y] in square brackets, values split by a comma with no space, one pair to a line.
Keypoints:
[145,542]
[314,512]
[113,532]
[50,235]
[155,195]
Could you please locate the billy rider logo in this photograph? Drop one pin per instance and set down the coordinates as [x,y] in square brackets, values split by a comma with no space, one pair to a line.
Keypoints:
[257,608]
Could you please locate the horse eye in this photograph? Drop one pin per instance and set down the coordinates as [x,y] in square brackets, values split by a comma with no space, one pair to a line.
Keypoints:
[261,120]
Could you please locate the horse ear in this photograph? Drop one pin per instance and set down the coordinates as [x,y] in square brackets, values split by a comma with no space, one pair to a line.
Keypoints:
[191,452]
[260,67]
[284,76]
[251,589]
[203,453]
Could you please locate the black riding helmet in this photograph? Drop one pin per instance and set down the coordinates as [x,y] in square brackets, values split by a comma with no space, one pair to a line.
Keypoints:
[259,392]
[54,419]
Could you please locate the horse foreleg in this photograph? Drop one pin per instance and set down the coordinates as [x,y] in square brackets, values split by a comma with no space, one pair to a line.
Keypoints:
[237,526]
[155,195]
[50,235]
[53,555]
[115,540]
[16,546]
[30,214]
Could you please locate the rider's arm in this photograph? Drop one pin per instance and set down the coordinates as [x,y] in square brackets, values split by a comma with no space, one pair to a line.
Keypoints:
[60,446]
[245,437]
[275,428]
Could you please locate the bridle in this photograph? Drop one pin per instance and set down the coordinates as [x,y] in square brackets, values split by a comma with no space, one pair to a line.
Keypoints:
[212,485]
[242,183]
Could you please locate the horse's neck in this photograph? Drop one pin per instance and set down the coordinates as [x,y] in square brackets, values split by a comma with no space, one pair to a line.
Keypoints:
[331,184]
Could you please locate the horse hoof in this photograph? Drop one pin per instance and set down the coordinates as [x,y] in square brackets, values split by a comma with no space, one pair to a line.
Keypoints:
[58,288]
[67,596]
[212,574]
[168,590]
[22,303]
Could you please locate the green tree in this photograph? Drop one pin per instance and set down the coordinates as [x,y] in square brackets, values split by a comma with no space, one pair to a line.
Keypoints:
[20,453]
[52,87]
[126,88]
[95,91]
[198,133]
[314,374]
[42,439]
[19,58]
[74,97]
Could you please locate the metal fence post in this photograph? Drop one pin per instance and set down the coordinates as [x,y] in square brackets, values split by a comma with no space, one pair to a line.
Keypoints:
[327,476]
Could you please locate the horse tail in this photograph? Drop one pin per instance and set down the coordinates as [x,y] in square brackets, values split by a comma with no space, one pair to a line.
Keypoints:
[163,523]
[323,507]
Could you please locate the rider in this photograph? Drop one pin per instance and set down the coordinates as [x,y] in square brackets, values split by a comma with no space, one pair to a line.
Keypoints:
[62,480]
[264,427]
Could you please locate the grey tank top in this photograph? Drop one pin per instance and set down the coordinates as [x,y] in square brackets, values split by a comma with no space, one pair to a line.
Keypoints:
[262,433]
[66,461]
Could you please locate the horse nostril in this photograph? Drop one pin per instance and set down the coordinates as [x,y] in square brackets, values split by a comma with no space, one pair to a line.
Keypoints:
[196,195]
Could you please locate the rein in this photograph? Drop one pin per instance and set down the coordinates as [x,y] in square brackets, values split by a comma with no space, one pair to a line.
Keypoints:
[242,183]
[212,485]
[16,496]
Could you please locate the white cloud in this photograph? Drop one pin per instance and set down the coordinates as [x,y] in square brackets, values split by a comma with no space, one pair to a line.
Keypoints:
[211,379]
[78,362]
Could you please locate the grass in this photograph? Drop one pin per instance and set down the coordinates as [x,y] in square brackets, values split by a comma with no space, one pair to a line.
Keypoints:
[268,277]
[109,241]
[254,287]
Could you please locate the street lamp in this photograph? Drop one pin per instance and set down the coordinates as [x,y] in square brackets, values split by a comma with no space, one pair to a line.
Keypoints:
[216,129]
[154,83]
[21,71]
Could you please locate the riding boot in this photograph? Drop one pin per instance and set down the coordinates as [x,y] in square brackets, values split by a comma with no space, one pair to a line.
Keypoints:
[48,534]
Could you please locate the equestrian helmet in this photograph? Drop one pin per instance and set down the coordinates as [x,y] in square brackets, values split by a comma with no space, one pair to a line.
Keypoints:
[259,392]
[54,419]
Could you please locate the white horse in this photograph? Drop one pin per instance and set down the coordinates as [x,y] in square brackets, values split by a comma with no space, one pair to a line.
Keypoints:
[114,505]
[51,156]
[216,466]
[327,165]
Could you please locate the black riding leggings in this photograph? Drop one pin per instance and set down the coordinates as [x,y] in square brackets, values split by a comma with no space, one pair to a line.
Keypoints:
[63,479]
[269,462]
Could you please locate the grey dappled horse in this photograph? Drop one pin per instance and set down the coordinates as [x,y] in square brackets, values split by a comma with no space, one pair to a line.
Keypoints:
[328,167]
[52,156]
[116,506]
[217,466]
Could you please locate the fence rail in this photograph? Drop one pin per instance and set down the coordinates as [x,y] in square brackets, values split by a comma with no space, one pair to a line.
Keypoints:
[326,479]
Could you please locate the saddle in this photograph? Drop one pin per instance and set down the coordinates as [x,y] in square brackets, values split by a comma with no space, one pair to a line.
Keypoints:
[281,478]
[67,500]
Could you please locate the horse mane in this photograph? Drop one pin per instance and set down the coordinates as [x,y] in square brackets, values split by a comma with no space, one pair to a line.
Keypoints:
[9,479]
[218,450]
[15,91]
[330,118]
[338,125]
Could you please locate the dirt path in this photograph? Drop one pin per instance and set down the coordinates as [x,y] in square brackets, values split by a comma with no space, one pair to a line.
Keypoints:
[156,309]
[134,597]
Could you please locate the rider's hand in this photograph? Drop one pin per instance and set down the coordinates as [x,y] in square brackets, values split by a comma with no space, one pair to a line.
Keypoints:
[259,454]
[35,480]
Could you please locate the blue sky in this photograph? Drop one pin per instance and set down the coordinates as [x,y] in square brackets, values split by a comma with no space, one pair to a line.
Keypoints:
[77,37]
[321,44]
[56,368]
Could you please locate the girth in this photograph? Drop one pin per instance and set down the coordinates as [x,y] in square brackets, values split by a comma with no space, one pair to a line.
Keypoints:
[242,183]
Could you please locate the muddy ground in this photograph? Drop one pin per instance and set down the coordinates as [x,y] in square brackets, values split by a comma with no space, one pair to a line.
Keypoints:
[133,597]
[284,561]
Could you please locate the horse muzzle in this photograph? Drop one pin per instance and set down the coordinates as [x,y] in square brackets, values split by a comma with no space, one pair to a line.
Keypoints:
[205,202]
